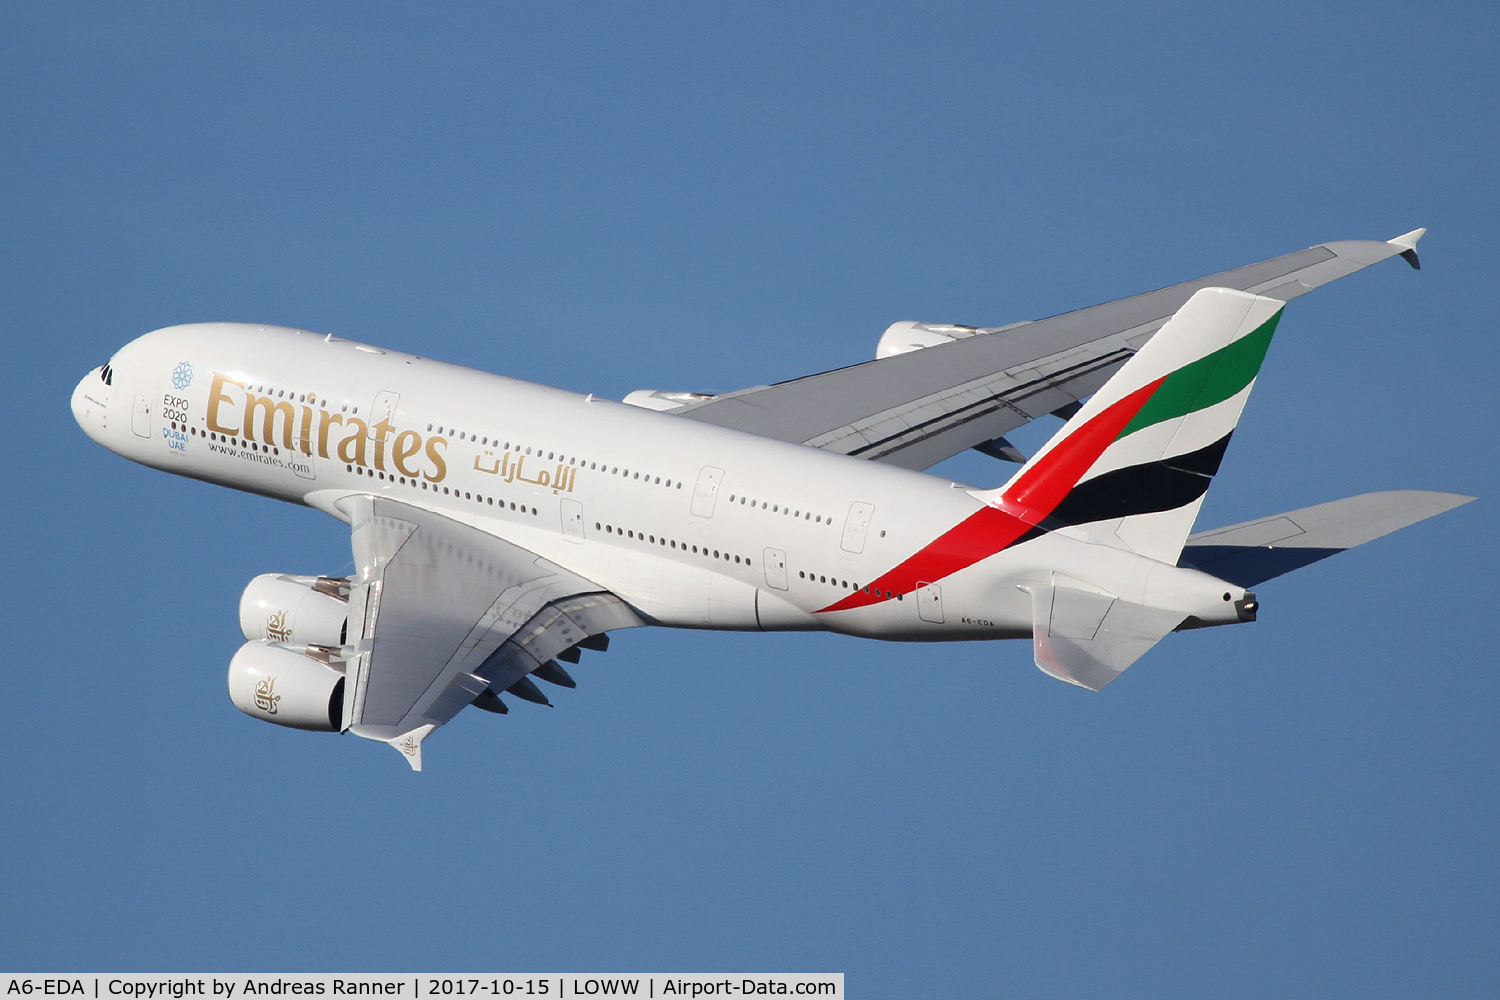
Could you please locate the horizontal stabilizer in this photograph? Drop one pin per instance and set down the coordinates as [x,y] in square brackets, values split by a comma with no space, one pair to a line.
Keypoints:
[1255,551]
[1087,638]
[1259,550]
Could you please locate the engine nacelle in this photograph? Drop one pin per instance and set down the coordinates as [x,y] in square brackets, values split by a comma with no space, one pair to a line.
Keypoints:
[280,684]
[907,336]
[295,610]
[660,399]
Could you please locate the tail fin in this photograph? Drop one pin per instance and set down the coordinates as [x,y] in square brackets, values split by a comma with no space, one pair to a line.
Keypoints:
[1134,463]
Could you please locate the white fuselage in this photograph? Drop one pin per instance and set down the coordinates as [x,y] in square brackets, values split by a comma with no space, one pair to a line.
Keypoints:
[694,525]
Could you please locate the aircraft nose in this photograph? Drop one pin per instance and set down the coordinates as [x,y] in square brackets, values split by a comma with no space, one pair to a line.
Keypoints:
[91,397]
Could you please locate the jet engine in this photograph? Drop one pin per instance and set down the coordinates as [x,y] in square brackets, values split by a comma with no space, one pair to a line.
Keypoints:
[907,336]
[287,685]
[665,401]
[301,610]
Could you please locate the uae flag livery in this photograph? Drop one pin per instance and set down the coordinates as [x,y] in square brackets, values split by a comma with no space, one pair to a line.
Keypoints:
[1131,467]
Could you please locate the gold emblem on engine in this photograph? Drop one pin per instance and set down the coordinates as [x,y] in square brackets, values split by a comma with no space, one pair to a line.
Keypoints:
[266,696]
[276,627]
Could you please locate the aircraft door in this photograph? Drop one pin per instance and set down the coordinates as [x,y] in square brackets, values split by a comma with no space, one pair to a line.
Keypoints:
[776,569]
[572,520]
[140,416]
[930,603]
[384,409]
[706,491]
[856,525]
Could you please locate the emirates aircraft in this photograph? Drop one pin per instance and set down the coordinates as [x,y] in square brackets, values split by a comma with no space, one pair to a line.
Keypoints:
[499,527]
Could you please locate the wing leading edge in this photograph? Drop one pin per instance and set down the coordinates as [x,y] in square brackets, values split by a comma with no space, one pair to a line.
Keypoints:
[916,409]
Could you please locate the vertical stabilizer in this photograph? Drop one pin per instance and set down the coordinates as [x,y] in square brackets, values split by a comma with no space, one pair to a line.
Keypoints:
[1130,469]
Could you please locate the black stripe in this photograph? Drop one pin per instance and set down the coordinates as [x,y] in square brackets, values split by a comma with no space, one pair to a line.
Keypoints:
[1204,461]
[1141,489]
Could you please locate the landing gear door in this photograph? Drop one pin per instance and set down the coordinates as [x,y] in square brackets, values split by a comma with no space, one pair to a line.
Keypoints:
[856,525]
[706,491]
[776,569]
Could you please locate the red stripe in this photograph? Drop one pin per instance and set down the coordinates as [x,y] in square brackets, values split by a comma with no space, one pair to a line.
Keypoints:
[1042,487]
[1026,503]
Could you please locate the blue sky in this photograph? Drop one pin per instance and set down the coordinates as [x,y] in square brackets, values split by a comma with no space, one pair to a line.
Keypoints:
[682,196]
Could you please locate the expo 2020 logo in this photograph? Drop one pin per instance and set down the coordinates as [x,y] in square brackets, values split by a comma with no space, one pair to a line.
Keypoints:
[182,376]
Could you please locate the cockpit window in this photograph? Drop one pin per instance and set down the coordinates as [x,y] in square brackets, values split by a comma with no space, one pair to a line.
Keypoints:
[107,375]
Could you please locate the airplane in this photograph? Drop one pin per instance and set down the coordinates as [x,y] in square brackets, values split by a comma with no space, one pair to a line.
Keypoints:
[499,527]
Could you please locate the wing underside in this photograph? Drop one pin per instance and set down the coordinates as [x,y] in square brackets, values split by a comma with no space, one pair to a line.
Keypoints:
[443,612]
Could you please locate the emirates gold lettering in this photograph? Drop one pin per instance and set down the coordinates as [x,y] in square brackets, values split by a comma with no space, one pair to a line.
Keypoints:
[352,446]
[305,438]
[381,430]
[266,698]
[562,479]
[326,419]
[272,410]
[407,444]
[217,395]
[352,449]
[433,453]
[276,627]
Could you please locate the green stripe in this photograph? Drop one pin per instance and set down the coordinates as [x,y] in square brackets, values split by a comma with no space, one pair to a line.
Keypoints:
[1209,380]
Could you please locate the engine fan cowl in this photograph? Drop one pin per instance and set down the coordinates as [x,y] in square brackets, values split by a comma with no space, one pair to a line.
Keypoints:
[301,610]
[276,683]
[908,336]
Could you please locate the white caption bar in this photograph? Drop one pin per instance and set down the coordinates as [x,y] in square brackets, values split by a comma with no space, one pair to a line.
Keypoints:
[423,986]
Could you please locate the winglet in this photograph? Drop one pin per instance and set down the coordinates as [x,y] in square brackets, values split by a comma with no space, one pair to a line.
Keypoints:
[1408,244]
[410,745]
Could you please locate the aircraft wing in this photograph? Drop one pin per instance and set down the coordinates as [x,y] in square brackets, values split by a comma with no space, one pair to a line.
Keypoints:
[442,612]
[916,409]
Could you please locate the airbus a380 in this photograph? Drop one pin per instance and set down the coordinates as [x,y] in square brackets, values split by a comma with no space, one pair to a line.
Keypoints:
[500,526]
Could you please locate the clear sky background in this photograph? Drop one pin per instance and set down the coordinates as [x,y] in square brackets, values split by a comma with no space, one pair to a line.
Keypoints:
[682,196]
